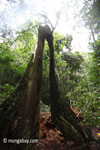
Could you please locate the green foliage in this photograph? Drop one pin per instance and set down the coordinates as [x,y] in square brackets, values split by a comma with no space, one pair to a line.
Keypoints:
[5,90]
[86,95]
[14,57]
[61,41]
[91,14]
[44,107]
[94,59]
[87,100]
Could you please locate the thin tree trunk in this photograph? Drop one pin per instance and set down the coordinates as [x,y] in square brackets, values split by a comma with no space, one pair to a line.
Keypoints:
[93,36]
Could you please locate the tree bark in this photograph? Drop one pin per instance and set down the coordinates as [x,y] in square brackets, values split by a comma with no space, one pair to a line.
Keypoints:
[13,112]
[62,115]
[34,104]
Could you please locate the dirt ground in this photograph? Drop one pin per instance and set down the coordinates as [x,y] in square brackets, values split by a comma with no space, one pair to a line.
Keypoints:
[52,139]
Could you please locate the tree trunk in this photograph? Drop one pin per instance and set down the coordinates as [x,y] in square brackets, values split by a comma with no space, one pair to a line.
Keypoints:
[20,111]
[34,104]
[13,112]
[62,115]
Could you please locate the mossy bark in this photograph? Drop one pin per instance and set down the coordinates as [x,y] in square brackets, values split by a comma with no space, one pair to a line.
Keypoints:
[62,115]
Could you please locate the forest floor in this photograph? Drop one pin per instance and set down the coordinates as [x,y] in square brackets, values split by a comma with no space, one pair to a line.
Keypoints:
[52,139]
